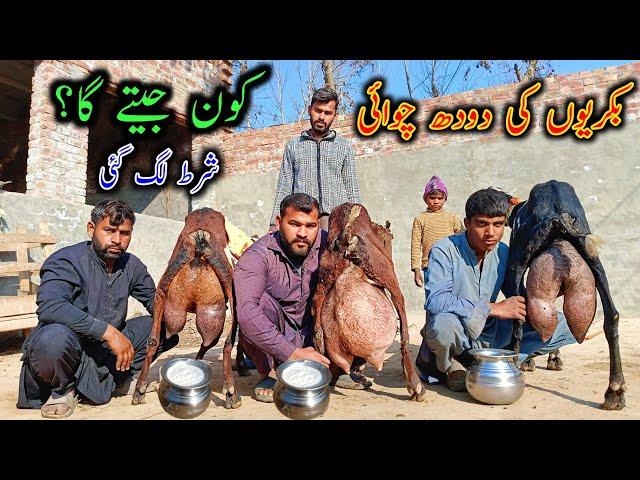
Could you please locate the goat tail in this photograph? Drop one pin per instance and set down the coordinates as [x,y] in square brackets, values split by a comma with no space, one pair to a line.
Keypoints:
[592,244]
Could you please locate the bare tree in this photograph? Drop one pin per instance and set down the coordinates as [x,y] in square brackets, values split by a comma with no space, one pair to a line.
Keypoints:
[307,86]
[435,78]
[408,78]
[438,77]
[277,92]
[327,72]
[345,77]
[506,71]
[291,86]
[255,115]
[280,103]
[244,68]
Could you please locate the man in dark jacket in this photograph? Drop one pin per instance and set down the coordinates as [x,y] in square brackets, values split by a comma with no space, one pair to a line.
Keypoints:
[319,162]
[82,347]
[274,282]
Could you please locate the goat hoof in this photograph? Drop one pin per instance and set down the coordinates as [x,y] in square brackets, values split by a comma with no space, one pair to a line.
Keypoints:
[138,398]
[554,364]
[232,401]
[528,365]
[419,397]
[613,400]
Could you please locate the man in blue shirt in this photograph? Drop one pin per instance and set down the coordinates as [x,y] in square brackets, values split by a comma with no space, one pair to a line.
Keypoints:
[82,345]
[462,283]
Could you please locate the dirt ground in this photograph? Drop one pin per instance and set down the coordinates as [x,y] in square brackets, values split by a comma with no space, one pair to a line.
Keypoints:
[574,393]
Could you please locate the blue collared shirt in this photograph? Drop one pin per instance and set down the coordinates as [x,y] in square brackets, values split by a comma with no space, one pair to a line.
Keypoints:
[456,285]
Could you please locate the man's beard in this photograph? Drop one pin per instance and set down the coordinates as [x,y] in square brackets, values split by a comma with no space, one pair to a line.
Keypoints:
[321,130]
[294,253]
[103,252]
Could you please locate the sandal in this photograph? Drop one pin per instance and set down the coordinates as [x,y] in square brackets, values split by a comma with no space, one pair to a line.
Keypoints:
[267,383]
[70,399]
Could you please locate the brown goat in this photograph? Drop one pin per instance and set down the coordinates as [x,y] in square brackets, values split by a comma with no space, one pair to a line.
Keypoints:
[353,316]
[198,279]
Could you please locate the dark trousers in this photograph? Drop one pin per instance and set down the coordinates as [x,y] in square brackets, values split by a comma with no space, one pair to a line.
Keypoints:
[58,359]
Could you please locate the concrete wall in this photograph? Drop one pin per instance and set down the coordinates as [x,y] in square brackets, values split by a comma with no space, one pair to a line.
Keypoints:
[152,241]
[605,173]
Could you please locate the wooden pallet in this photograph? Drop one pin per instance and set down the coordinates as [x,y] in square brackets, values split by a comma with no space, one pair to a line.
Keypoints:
[19,312]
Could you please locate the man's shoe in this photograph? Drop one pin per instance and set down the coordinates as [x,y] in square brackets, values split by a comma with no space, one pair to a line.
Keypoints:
[457,377]
[457,380]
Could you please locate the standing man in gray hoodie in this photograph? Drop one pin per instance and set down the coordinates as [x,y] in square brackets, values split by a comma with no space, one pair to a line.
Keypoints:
[319,162]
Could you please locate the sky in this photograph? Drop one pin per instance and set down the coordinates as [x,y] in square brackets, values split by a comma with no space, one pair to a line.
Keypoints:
[394,87]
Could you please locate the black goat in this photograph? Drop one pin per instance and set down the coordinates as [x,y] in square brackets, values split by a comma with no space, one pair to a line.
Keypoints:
[553,212]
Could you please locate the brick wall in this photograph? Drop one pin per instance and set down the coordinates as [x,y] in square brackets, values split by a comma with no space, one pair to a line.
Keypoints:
[261,150]
[57,157]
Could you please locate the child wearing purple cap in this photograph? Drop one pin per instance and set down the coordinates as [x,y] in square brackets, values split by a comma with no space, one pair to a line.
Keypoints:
[430,226]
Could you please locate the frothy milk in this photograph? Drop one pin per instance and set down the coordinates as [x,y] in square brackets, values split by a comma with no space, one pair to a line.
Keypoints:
[301,376]
[184,374]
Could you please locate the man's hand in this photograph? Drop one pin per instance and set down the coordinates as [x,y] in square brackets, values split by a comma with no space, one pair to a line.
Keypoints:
[418,278]
[513,308]
[120,346]
[309,353]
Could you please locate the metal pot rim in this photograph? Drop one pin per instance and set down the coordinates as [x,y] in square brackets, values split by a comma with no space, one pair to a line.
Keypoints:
[326,375]
[192,361]
[493,353]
